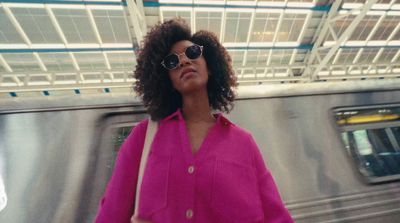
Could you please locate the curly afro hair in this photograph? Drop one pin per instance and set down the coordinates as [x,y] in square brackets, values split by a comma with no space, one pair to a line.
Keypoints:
[152,79]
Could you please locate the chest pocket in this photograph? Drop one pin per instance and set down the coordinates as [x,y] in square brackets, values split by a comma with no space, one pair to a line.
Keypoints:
[153,195]
[235,194]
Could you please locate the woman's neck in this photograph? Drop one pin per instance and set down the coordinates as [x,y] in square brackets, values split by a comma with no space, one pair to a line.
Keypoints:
[196,108]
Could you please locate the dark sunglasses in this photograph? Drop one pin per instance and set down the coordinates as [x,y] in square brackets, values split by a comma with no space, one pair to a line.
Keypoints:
[171,61]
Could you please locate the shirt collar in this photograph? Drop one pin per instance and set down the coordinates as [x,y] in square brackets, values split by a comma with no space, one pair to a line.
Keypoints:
[221,119]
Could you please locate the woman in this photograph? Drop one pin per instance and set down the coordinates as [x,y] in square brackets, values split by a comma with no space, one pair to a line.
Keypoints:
[201,167]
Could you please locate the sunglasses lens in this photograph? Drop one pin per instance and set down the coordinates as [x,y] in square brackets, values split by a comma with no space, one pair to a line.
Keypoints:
[171,61]
[193,52]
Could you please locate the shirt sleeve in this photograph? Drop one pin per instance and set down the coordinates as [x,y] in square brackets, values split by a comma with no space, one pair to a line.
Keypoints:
[117,204]
[272,204]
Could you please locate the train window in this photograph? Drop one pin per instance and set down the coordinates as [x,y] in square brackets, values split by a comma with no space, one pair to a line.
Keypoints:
[118,135]
[372,138]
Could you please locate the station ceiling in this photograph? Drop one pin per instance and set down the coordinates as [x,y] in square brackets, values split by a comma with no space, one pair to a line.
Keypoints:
[61,47]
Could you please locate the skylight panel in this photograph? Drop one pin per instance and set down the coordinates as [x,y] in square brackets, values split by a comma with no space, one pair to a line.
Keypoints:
[112,26]
[57,61]
[122,60]
[8,33]
[90,61]
[368,55]
[291,27]
[37,25]
[264,27]
[397,35]
[300,56]
[237,26]
[364,28]
[257,58]
[341,25]
[210,21]
[21,62]
[387,55]
[347,55]
[322,54]
[281,57]
[386,28]
[75,25]
[237,57]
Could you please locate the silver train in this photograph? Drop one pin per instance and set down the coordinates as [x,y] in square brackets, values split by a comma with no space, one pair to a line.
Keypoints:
[57,154]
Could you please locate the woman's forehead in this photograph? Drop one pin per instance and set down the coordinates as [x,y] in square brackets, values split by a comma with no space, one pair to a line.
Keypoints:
[180,46]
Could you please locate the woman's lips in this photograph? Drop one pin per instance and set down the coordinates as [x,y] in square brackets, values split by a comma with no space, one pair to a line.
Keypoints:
[187,71]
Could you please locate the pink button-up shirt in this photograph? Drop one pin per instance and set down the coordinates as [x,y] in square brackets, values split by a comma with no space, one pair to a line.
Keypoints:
[225,181]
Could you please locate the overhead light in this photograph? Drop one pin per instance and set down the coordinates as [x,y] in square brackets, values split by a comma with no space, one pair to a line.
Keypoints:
[298,11]
[272,11]
[173,1]
[380,6]
[272,4]
[211,2]
[47,46]
[24,5]
[393,13]
[301,4]
[286,44]
[352,5]
[261,44]
[246,3]
[175,8]
[67,6]
[249,10]
[396,6]
[208,9]
[106,7]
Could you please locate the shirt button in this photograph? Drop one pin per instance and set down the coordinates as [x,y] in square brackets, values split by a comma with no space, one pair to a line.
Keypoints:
[191,169]
[189,214]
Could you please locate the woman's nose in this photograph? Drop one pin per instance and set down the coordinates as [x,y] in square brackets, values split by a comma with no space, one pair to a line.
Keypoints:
[184,60]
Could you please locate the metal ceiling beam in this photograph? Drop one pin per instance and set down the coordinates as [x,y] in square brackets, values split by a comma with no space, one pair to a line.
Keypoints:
[395,57]
[192,21]
[137,19]
[57,78]
[93,25]
[313,74]
[223,24]
[140,6]
[66,87]
[360,76]
[104,4]
[301,36]
[22,33]
[278,27]
[320,37]
[232,6]
[4,63]
[60,34]
[342,65]
[60,48]
[106,61]
[96,32]
[251,26]
[372,33]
